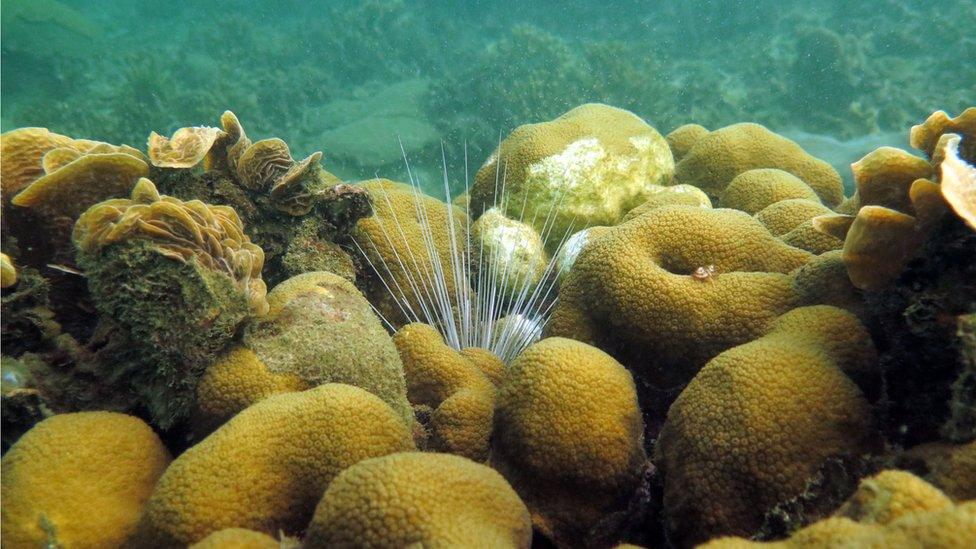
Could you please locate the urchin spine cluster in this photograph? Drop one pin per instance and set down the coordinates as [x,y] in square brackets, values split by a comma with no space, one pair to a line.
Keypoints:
[485,315]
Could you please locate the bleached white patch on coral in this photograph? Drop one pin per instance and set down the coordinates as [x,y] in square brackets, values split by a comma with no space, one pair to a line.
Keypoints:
[641,142]
[573,166]
[570,250]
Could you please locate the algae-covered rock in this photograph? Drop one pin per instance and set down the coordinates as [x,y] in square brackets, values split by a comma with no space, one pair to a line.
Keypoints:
[178,280]
[319,329]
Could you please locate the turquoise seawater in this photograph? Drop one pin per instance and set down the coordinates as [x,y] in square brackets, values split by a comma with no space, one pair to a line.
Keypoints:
[350,78]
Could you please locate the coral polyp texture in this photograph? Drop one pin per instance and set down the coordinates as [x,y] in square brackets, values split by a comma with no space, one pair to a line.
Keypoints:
[609,338]
[587,167]
[266,468]
[413,498]
[718,157]
[891,509]
[724,452]
[80,480]
[455,385]
[568,436]
[632,291]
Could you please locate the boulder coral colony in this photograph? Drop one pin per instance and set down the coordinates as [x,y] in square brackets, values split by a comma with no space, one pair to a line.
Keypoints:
[613,337]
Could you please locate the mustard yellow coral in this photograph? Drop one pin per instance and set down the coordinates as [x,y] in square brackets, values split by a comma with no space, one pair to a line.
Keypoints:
[394,242]
[935,525]
[266,468]
[568,436]
[79,480]
[636,291]
[8,271]
[721,155]
[926,136]
[419,499]
[792,220]
[21,151]
[588,167]
[890,495]
[688,195]
[760,419]
[235,381]
[950,467]
[683,138]
[237,538]
[461,396]
[753,190]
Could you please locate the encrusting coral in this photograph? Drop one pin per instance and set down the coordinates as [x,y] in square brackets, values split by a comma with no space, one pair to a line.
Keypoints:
[587,167]
[568,436]
[79,480]
[452,383]
[726,452]
[319,329]
[413,498]
[266,468]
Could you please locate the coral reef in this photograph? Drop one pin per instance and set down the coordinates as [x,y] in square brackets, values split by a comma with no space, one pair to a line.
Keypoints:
[587,167]
[79,480]
[799,365]
[635,296]
[724,453]
[266,468]
[717,158]
[455,385]
[319,329]
[568,436]
[416,498]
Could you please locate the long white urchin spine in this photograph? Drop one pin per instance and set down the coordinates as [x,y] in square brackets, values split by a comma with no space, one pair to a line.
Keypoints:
[466,316]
